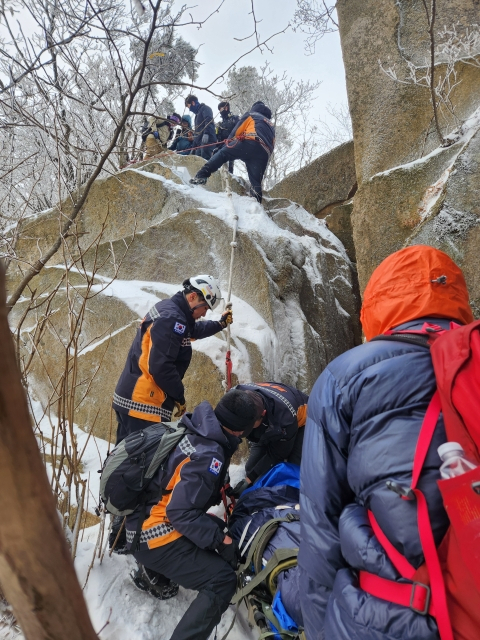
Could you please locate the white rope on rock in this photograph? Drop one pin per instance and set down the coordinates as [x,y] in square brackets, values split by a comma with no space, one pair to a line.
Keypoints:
[233,245]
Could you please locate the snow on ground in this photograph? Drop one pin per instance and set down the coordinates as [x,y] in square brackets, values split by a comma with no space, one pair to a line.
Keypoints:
[115,605]
[131,614]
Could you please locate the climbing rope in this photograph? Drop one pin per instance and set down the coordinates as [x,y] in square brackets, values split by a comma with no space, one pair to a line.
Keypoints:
[233,245]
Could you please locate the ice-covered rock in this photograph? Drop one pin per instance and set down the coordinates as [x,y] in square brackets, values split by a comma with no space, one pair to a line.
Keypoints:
[294,303]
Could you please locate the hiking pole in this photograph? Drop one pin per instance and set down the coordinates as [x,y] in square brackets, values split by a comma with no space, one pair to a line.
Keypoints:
[118,536]
[228,305]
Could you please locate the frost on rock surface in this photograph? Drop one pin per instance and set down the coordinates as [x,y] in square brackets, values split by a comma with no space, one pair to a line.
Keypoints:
[293,295]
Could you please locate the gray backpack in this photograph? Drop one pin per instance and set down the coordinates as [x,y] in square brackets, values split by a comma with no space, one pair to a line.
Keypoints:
[130,467]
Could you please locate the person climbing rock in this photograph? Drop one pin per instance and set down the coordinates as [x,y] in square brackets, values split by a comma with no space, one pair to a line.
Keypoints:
[184,140]
[224,128]
[156,132]
[277,436]
[252,140]
[364,418]
[204,127]
[150,388]
[179,542]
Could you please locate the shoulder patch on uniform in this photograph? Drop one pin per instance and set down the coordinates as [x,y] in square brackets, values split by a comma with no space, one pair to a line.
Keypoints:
[215,466]
[179,328]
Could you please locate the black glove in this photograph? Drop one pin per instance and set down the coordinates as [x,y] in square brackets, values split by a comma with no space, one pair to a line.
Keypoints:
[239,488]
[230,553]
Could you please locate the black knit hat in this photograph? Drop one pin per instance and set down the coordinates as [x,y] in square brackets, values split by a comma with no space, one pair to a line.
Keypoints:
[223,104]
[239,410]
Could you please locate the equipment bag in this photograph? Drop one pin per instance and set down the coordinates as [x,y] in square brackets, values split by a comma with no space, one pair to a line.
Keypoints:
[447,586]
[130,467]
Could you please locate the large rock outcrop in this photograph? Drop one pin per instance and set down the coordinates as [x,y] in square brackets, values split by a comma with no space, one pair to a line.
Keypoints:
[293,285]
[325,188]
[410,189]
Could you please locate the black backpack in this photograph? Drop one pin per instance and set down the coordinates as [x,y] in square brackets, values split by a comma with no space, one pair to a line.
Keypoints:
[130,467]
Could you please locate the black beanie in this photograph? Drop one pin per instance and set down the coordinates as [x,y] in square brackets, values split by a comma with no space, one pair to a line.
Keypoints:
[239,410]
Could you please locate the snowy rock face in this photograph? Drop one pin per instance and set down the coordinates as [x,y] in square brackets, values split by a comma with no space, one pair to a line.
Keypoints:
[328,180]
[293,301]
[410,189]
[325,188]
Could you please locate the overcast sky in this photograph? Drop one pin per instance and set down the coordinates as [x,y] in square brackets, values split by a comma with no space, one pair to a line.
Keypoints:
[219,48]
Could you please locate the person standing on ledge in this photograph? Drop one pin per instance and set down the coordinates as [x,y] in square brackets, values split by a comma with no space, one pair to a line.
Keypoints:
[150,386]
[204,127]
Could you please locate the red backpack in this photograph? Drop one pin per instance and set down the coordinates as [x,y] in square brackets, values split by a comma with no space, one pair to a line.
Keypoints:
[447,586]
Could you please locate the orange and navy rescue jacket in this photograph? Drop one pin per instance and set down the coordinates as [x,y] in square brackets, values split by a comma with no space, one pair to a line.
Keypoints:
[286,413]
[256,125]
[158,359]
[189,486]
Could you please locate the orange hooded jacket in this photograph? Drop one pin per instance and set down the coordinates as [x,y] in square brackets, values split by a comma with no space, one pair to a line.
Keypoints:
[413,283]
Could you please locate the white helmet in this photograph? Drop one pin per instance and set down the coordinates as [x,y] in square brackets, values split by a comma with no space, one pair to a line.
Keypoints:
[207,287]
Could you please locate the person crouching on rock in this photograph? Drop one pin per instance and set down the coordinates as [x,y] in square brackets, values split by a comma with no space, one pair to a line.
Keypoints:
[180,543]
[156,132]
[277,436]
[252,140]
[184,141]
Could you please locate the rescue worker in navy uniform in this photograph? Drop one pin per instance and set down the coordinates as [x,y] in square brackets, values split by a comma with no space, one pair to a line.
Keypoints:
[278,435]
[150,387]
[179,542]
[252,140]
[204,127]
[225,127]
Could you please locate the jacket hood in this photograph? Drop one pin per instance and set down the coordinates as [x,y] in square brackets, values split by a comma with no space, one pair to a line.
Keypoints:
[260,107]
[412,283]
[187,119]
[204,423]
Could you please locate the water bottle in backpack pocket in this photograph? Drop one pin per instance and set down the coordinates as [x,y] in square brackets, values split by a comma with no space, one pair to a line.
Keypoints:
[455,462]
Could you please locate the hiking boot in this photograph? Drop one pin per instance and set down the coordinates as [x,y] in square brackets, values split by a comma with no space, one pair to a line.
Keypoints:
[153,583]
[198,180]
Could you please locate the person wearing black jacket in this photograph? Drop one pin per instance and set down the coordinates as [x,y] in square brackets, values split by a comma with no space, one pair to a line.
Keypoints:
[278,435]
[179,541]
[204,127]
[224,128]
[251,140]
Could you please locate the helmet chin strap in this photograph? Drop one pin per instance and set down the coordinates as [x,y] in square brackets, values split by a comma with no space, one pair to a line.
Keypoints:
[197,306]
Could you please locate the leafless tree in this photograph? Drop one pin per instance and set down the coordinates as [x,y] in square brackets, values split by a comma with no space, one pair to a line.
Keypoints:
[315,18]
[73,94]
[447,47]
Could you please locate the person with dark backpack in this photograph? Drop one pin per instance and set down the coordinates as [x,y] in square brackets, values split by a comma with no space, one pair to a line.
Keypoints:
[172,537]
[252,140]
[150,388]
[379,556]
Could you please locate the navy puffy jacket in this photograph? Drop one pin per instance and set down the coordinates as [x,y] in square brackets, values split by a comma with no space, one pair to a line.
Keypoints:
[364,416]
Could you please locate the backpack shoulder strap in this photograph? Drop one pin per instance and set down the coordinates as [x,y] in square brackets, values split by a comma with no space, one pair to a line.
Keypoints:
[172,436]
[421,340]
